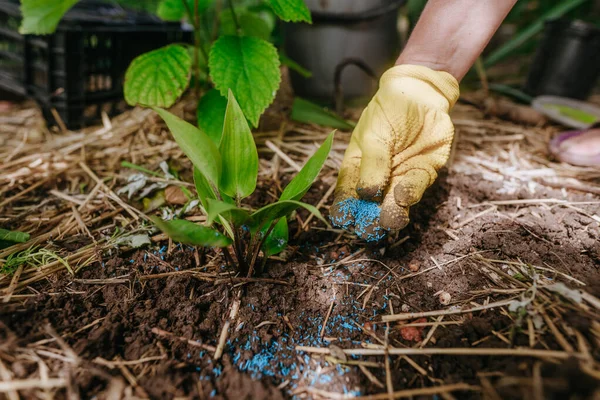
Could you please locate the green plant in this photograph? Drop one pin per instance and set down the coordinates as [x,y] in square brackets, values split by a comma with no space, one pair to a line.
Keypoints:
[234,52]
[8,238]
[231,50]
[225,174]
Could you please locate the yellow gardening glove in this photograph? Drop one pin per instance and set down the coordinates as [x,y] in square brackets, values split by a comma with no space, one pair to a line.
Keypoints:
[402,139]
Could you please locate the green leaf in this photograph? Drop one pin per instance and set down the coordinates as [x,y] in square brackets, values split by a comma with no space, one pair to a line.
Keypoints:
[40,17]
[13,236]
[211,113]
[282,208]
[311,113]
[509,91]
[530,31]
[159,77]
[294,66]
[250,68]
[175,10]
[277,240]
[239,154]
[307,175]
[187,232]
[291,10]
[199,148]
[238,216]
[203,187]
[251,24]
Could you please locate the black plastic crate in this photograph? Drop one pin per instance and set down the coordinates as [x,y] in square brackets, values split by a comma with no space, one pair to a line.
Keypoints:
[79,70]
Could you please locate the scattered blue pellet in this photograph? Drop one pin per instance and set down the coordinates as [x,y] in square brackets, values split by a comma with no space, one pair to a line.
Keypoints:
[363,215]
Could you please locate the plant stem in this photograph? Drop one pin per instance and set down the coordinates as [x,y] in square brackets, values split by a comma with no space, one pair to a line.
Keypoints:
[218,7]
[239,253]
[257,245]
[197,46]
[234,16]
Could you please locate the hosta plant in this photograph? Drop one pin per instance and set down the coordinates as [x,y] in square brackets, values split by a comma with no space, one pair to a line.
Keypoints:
[225,174]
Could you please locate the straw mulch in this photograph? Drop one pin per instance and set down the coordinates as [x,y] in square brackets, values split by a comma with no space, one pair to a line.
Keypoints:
[61,187]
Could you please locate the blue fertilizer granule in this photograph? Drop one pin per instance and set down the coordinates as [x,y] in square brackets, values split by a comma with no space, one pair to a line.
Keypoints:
[363,215]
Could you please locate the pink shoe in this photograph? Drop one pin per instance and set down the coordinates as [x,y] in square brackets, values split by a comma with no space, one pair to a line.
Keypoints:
[580,147]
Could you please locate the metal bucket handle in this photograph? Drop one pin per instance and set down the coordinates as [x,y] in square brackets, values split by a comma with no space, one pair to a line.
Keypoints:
[355,17]
[338,95]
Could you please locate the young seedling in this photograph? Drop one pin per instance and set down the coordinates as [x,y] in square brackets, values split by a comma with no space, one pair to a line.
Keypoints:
[225,174]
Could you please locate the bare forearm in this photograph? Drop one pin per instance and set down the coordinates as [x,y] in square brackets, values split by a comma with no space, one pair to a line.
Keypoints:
[451,34]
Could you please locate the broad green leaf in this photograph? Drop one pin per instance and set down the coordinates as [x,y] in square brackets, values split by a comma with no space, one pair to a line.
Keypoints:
[251,24]
[307,175]
[291,10]
[281,209]
[238,152]
[211,113]
[172,10]
[250,68]
[40,17]
[311,113]
[277,240]
[294,66]
[201,151]
[508,48]
[175,10]
[159,77]
[203,187]
[187,232]
[231,212]
[512,92]
[13,236]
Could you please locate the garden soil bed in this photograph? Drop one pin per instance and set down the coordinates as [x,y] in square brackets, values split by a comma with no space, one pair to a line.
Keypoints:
[146,322]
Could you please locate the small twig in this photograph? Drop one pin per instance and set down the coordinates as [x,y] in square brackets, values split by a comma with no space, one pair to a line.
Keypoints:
[433,351]
[403,317]
[191,342]
[282,155]
[327,318]
[407,393]
[115,364]
[235,307]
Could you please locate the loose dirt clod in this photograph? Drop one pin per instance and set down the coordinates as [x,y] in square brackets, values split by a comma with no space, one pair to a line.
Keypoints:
[445,298]
[414,266]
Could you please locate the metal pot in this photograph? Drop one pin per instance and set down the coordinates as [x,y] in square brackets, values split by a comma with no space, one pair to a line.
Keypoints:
[354,41]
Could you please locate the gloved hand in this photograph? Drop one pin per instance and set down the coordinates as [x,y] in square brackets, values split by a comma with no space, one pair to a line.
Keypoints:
[402,139]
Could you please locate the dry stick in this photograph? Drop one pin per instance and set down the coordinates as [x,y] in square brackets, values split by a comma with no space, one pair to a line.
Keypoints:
[327,318]
[370,376]
[114,364]
[404,317]
[516,352]
[191,342]
[430,391]
[557,334]
[320,204]
[474,217]
[7,376]
[110,193]
[282,155]
[235,307]
[29,189]
[25,384]
[591,299]
[431,331]
[13,283]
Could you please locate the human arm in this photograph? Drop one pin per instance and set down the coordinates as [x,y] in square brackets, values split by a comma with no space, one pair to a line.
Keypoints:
[451,34]
[405,134]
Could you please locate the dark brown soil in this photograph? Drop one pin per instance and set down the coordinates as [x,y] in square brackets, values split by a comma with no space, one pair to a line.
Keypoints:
[263,363]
